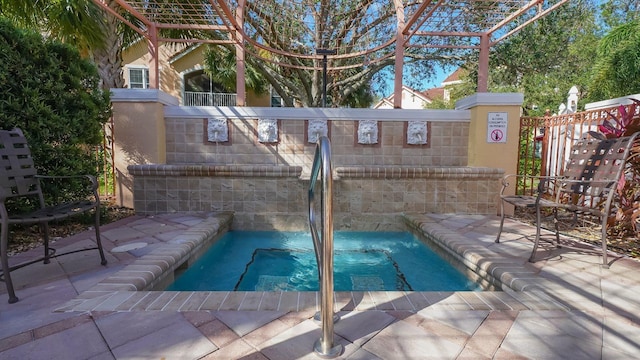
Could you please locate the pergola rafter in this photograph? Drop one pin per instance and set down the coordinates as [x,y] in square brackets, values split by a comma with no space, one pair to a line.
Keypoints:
[287,32]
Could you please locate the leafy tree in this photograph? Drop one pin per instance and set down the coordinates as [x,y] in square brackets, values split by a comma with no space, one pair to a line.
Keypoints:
[617,69]
[546,58]
[353,29]
[440,104]
[348,27]
[220,65]
[543,60]
[81,23]
[71,21]
[98,34]
[54,96]
[617,12]
[567,48]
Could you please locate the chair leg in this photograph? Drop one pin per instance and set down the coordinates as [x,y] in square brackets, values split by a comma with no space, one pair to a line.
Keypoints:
[537,240]
[103,259]
[555,224]
[4,257]
[44,228]
[605,261]
[501,221]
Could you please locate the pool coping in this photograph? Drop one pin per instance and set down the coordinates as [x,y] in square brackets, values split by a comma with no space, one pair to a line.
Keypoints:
[130,289]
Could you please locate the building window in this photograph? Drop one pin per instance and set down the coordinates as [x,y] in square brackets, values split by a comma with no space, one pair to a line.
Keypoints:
[276,100]
[138,78]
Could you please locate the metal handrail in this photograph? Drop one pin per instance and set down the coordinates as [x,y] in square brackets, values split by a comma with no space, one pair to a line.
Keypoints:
[324,245]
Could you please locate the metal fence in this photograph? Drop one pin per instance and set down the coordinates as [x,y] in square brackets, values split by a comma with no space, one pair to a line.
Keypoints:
[545,142]
[192,98]
[105,155]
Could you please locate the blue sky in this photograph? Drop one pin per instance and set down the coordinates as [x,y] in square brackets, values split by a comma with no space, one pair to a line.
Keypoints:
[434,81]
[441,74]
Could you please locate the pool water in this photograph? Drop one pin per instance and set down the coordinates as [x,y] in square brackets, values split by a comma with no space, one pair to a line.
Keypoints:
[285,261]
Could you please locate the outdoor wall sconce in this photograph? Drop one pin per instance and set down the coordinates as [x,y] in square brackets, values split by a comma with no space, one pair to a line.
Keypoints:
[417,132]
[367,132]
[268,130]
[315,129]
[217,130]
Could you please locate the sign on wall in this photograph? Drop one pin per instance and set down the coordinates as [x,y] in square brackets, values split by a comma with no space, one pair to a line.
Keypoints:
[497,127]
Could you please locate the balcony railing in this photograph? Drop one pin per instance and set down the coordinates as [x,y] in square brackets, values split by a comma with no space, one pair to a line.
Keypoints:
[193,98]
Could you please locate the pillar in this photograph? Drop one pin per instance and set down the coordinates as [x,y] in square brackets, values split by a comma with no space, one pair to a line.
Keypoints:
[139,134]
[494,131]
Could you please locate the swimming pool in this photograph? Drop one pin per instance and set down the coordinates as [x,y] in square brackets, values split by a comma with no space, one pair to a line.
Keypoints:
[285,261]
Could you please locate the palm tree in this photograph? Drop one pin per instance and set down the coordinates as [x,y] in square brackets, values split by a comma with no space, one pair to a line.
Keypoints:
[617,69]
[108,55]
[220,65]
[96,33]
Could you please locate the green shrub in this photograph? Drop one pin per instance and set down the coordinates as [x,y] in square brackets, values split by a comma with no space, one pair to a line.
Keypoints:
[54,95]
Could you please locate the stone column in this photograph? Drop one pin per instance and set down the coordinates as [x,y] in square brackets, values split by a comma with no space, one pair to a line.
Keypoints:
[139,134]
[494,131]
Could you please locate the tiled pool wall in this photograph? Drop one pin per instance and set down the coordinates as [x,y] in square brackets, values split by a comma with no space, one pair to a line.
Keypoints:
[266,185]
[156,270]
[139,286]
[456,253]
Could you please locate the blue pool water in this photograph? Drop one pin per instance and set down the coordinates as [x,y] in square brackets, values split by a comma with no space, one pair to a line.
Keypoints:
[285,261]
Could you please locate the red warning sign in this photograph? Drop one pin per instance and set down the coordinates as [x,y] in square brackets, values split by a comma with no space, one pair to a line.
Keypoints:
[496,135]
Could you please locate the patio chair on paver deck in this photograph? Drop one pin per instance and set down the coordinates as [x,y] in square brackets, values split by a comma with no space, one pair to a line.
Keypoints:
[19,178]
[588,186]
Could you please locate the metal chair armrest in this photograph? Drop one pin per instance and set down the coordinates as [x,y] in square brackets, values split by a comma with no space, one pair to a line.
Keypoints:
[92,179]
[505,180]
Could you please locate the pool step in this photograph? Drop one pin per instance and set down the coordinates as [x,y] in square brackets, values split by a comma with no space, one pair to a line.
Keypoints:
[273,283]
[366,283]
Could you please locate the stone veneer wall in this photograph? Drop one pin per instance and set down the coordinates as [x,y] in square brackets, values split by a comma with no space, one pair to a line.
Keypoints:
[261,197]
[266,185]
[275,197]
[186,144]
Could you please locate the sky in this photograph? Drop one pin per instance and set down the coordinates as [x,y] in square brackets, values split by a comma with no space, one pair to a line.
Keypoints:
[441,74]
[435,81]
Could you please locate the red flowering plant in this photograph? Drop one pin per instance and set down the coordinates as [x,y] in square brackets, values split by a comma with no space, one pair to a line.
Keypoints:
[625,122]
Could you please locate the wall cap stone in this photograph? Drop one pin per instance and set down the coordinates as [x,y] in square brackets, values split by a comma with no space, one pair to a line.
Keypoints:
[143,95]
[478,99]
[334,114]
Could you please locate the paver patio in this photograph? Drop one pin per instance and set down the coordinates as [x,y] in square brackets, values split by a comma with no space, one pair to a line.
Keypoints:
[567,307]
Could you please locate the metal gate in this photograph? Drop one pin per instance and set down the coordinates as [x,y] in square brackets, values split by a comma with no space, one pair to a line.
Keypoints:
[545,142]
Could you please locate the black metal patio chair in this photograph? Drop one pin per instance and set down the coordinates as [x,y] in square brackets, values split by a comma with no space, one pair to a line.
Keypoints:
[587,186]
[19,178]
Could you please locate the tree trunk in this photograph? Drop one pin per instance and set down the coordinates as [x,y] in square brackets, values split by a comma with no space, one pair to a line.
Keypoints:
[109,58]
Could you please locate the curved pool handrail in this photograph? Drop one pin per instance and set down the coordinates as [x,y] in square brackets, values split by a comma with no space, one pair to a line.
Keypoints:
[324,245]
[321,168]
[314,233]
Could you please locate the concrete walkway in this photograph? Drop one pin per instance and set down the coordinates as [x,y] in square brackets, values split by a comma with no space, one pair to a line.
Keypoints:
[564,307]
